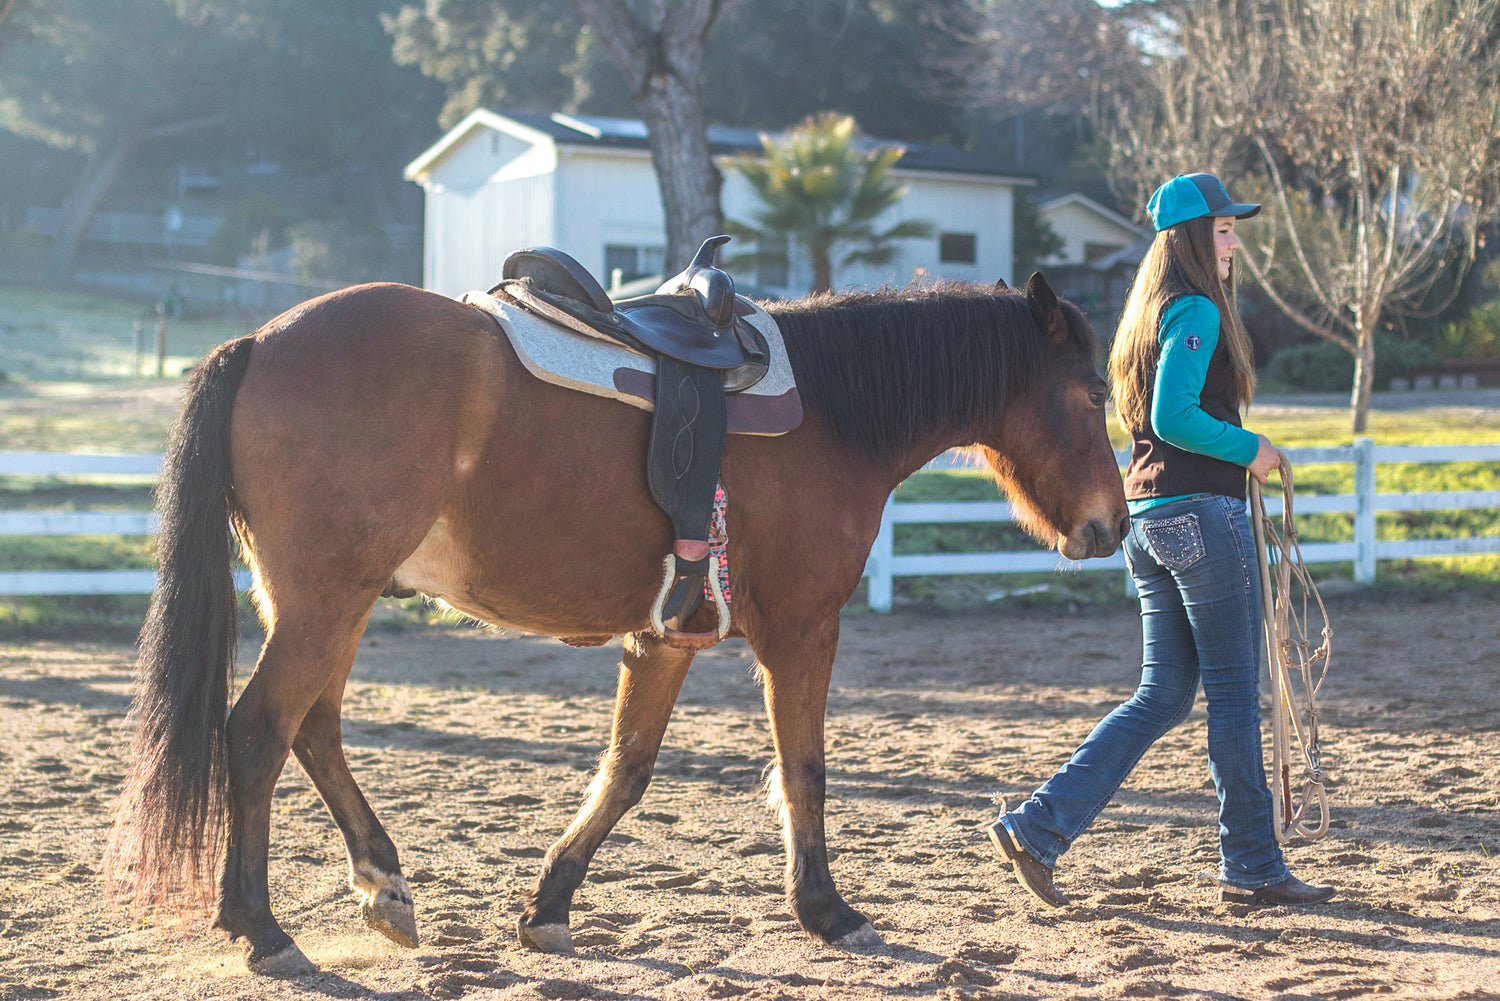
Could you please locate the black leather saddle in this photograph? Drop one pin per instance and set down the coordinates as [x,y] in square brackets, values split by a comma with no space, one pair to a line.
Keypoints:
[703,350]
[691,317]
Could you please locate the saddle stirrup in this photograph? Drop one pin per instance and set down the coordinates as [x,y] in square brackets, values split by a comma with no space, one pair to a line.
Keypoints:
[681,593]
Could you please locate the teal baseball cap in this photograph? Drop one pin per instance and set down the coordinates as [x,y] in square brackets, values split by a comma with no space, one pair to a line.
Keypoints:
[1191,196]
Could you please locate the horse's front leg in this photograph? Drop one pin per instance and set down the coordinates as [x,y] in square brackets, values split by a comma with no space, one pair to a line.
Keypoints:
[651,675]
[796,666]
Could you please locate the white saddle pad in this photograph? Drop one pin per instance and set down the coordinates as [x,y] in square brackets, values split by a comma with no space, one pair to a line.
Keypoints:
[563,357]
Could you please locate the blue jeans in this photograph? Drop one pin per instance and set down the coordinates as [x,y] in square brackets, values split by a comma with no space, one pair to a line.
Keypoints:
[1194,564]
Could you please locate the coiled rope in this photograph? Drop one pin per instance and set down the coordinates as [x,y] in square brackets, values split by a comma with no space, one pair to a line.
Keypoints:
[1292,654]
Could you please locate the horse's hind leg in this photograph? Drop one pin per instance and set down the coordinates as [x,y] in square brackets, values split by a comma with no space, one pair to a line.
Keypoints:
[651,675]
[296,665]
[374,870]
[795,671]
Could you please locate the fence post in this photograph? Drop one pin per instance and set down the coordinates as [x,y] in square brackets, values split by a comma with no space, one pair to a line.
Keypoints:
[1364,510]
[878,566]
[161,338]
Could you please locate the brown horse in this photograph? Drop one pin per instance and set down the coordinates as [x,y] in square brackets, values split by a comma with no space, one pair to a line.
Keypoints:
[384,433]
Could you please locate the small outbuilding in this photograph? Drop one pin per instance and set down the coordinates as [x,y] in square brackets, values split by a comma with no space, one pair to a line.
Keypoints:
[1101,250]
[585,185]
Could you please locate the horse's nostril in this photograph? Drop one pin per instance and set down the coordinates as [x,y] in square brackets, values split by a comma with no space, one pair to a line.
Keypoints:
[1124,529]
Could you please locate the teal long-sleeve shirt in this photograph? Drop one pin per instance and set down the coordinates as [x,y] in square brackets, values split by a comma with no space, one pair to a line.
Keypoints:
[1189,332]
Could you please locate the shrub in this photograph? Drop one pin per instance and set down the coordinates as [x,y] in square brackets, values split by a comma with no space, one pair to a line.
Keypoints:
[1475,336]
[23,248]
[253,225]
[1325,367]
[342,248]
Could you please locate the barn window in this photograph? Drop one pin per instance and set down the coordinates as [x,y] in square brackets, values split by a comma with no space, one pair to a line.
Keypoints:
[1093,251]
[958,248]
[631,261]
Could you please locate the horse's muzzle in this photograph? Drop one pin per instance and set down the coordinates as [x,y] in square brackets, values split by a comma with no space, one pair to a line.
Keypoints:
[1095,540]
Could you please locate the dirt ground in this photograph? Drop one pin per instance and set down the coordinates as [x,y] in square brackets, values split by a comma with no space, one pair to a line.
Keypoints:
[475,749]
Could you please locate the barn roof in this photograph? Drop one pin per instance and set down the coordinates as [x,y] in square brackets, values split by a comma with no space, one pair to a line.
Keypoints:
[593,131]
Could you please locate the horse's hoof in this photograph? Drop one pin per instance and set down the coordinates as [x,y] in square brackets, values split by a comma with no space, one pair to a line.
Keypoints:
[394,919]
[287,961]
[862,938]
[545,938]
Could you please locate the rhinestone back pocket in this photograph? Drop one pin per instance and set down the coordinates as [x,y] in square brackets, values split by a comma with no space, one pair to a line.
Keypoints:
[1177,543]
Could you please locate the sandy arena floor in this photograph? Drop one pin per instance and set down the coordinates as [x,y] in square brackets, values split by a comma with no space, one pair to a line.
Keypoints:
[476,748]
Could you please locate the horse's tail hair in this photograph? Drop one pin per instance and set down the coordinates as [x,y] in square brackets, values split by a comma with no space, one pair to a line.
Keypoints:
[170,826]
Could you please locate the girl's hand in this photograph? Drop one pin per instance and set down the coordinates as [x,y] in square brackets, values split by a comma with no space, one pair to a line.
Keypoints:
[1267,458]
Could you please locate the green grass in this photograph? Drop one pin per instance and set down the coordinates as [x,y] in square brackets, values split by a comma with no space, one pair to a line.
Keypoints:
[1315,426]
[68,370]
[57,336]
[70,387]
[1289,426]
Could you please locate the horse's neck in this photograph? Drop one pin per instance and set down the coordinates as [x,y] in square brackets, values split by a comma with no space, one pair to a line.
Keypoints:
[921,455]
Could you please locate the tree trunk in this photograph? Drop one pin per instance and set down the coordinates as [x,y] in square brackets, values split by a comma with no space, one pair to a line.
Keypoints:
[822,269]
[685,172]
[662,61]
[99,174]
[1364,379]
[7,8]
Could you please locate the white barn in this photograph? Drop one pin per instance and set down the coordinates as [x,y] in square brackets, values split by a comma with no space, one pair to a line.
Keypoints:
[586,186]
[1088,230]
[1101,250]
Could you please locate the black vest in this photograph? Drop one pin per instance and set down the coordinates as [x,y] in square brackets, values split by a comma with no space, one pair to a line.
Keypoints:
[1158,469]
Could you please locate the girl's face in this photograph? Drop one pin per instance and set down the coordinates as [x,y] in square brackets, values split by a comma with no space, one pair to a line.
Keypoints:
[1225,244]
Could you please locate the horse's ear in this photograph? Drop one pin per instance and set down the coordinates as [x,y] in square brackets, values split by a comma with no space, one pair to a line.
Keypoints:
[1000,285]
[1045,309]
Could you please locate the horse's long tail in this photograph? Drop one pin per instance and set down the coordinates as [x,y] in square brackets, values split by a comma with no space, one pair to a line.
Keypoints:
[170,827]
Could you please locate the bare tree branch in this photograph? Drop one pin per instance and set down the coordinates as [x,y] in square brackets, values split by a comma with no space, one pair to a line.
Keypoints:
[1372,129]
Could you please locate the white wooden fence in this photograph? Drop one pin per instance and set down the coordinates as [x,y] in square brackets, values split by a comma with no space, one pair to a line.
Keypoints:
[882,566]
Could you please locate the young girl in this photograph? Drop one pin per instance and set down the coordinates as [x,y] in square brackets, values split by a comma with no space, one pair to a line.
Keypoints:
[1181,368]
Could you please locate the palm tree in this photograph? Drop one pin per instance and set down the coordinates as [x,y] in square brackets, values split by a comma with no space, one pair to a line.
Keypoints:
[822,191]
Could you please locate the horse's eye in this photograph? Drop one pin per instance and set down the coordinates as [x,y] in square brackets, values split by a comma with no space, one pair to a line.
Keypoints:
[1097,397]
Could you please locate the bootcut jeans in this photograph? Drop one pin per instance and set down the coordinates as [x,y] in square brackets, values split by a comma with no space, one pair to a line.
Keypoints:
[1193,561]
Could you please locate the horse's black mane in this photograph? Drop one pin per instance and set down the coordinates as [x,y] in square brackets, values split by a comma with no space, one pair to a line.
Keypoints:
[888,369]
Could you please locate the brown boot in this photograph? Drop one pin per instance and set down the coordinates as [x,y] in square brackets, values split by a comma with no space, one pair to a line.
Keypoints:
[1289,891]
[1035,876]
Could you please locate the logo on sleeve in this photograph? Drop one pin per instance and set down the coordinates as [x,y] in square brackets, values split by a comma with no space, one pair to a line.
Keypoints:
[1193,342]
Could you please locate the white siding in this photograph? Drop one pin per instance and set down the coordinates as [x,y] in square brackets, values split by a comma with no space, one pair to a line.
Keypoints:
[492,194]
[611,197]
[981,206]
[1078,225]
[491,190]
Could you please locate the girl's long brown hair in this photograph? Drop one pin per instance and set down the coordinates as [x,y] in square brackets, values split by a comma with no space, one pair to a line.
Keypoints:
[1181,261]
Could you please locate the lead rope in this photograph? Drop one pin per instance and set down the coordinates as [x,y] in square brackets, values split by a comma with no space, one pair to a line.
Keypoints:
[1290,652]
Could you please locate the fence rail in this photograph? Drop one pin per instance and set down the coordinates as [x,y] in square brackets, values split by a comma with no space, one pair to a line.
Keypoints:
[883,564]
